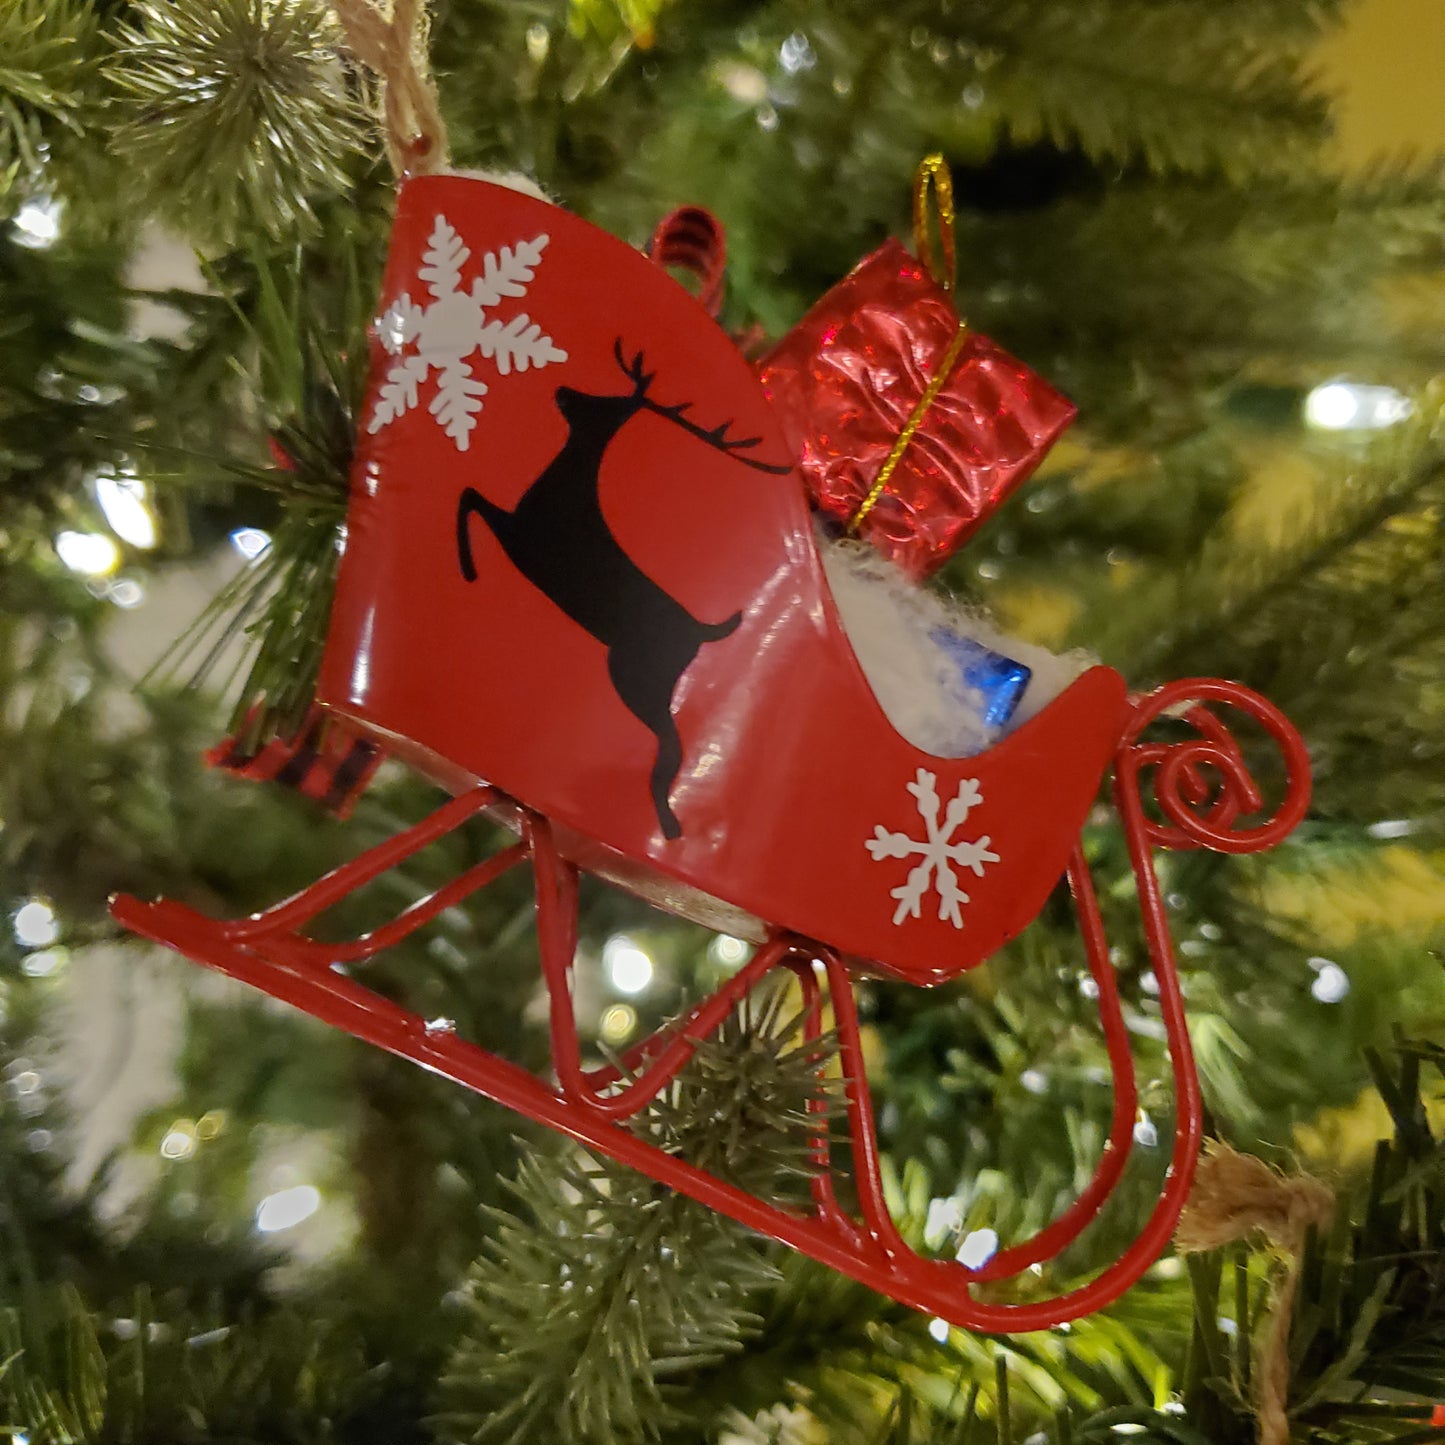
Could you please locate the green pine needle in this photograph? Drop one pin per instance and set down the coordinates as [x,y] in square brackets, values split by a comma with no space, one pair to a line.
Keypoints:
[235,111]
[307,388]
[608,1289]
[43,67]
[72,1375]
[1062,74]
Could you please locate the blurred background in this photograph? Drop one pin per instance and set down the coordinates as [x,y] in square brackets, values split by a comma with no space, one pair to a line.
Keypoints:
[1216,226]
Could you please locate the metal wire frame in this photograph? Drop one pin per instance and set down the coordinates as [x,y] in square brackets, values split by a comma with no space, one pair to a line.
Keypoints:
[1201,789]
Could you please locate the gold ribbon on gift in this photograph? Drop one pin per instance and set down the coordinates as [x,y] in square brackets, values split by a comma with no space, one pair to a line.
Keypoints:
[933,182]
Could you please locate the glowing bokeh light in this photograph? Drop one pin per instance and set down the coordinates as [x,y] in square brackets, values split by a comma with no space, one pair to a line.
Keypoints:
[978,1247]
[38,223]
[180,1140]
[92,554]
[43,963]
[728,951]
[627,965]
[617,1023]
[126,593]
[1331,984]
[1351,406]
[250,542]
[35,924]
[287,1208]
[123,499]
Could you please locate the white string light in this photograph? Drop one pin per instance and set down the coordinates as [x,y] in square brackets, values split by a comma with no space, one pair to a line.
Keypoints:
[617,1023]
[123,498]
[92,554]
[796,54]
[1331,984]
[728,951]
[38,223]
[1351,406]
[126,593]
[978,1247]
[250,542]
[180,1141]
[944,1216]
[35,924]
[287,1208]
[627,965]
[1391,828]
[43,962]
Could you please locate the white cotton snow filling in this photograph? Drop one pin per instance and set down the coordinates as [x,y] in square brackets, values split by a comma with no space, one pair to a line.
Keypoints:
[918,683]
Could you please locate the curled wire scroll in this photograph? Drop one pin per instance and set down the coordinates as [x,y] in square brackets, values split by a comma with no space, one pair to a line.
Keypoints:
[1202,785]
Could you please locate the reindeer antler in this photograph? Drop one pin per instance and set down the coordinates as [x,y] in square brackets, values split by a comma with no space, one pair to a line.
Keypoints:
[632,370]
[716,437]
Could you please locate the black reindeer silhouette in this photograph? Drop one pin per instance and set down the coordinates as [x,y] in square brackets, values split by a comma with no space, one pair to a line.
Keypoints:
[558,538]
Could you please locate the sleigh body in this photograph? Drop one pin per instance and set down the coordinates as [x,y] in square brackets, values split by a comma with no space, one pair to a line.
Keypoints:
[789,765]
[580,592]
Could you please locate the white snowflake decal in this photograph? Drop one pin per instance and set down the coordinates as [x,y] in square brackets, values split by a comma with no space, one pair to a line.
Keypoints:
[937,853]
[455,325]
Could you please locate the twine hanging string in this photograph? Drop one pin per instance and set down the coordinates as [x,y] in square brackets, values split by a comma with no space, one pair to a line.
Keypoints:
[395,47]
[933,183]
[1234,1195]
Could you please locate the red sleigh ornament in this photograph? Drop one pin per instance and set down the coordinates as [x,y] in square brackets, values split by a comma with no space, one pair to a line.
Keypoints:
[580,592]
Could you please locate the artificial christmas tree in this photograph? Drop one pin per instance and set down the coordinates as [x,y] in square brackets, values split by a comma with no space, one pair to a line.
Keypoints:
[1145,219]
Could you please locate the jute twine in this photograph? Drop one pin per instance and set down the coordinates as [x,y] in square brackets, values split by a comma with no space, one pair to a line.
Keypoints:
[1234,1195]
[394,45]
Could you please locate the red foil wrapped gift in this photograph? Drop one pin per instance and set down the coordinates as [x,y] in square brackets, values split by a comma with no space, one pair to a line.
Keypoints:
[908,427]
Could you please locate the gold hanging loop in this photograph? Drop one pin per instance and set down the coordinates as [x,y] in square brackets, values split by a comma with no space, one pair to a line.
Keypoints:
[933,182]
